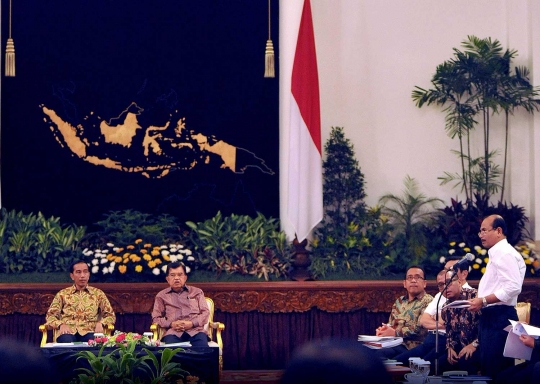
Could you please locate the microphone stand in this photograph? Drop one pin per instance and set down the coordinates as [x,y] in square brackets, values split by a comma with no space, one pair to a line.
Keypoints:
[437,324]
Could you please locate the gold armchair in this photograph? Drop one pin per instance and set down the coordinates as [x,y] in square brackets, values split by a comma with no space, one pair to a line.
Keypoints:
[212,326]
[107,331]
[524,312]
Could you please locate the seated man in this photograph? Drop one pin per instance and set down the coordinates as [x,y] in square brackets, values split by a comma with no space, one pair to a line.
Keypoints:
[405,314]
[427,320]
[181,309]
[80,310]
[426,350]
[461,330]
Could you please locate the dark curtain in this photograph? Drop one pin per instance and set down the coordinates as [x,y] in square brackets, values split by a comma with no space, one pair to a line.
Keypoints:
[252,340]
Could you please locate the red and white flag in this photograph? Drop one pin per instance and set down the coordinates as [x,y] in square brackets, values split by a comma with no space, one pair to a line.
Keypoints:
[305,202]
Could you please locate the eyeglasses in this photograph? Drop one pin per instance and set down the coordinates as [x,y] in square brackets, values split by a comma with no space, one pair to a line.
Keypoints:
[177,274]
[441,285]
[484,231]
[415,277]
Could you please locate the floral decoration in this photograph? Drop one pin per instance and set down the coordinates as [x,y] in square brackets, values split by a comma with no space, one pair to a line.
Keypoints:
[137,259]
[123,338]
[478,266]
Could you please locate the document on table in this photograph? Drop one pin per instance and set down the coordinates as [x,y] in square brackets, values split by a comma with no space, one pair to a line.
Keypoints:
[183,344]
[514,347]
[375,342]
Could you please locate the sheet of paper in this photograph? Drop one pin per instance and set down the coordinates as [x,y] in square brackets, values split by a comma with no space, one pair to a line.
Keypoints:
[515,348]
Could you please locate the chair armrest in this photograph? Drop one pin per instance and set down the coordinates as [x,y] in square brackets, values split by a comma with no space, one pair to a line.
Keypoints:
[43,329]
[218,327]
[154,328]
[108,330]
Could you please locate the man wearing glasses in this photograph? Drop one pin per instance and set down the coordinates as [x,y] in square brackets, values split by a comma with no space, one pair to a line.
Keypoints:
[405,314]
[181,309]
[498,291]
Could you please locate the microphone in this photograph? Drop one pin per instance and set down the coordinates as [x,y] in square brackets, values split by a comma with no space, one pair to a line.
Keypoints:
[464,262]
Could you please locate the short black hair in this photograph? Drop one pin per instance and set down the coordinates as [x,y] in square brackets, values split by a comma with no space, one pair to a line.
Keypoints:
[335,361]
[498,222]
[415,266]
[174,265]
[72,265]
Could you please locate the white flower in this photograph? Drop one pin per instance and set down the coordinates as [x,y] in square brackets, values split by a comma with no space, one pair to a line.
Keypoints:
[173,258]
[113,263]
[164,252]
[531,245]
[87,252]
[461,245]
[155,271]
[105,270]
[164,268]
[180,257]
[478,260]
[451,252]
[110,245]
[188,269]
[103,261]
[483,252]
[95,269]
[190,258]
[188,252]
[95,261]
[477,248]
[116,249]
[163,247]
[442,259]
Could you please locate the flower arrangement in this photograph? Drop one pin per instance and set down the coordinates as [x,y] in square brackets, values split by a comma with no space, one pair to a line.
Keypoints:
[137,259]
[124,339]
[526,250]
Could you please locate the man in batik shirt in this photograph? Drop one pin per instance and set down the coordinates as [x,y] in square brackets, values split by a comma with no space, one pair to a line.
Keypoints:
[80,310]
[405,314]
[461,329]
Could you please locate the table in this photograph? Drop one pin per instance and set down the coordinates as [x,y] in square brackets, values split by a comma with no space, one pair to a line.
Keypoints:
[202,362]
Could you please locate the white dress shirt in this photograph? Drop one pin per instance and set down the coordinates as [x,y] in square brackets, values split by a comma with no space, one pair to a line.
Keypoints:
[504,274]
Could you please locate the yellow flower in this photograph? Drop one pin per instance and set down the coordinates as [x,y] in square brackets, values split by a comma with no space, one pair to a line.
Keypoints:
[476,266]
[138,241]
[122,269]
[118,259]
[528,261]
[166,258]
[125,261]
[147,257]
[483,270]
[152,264]
[130,247]
[155,252]
[486,259]
[119,250]
[157,261]
[126,255]
[143,251]
[138,268]
[452,243]
[147,245]
[467,249]
[110,257]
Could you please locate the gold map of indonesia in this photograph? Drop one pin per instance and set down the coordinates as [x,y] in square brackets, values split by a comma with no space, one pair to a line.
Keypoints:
[164,149]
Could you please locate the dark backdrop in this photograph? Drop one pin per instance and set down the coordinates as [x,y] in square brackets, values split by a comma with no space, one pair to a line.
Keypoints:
[198,59]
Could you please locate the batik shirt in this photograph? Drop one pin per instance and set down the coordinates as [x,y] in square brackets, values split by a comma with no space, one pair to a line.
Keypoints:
[81,310]
[405,316]
[461,324]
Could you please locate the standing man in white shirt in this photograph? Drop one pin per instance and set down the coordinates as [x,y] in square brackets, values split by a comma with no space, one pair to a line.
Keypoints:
[497,294]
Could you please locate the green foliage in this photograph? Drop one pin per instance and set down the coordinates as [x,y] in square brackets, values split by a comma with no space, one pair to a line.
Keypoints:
[124,227]
[127,365]
[241,244]
[35,243]
[461,221]
[350,238]
[411,215]
[478,81]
